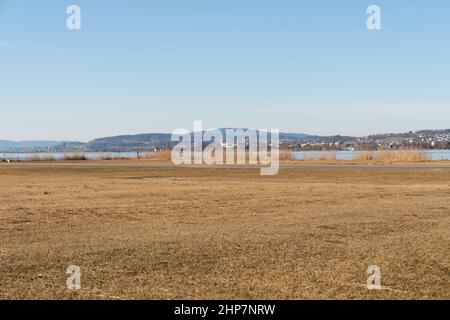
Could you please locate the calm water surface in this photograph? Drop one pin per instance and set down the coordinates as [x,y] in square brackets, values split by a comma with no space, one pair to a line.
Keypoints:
[61,156]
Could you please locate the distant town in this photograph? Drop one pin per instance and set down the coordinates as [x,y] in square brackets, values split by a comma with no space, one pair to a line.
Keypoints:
[423,139]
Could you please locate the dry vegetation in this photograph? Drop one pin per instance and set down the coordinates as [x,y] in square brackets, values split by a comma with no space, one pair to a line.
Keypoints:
[394,156]
[172,233]
[321,156]
[286,156]
[379,157]
[165,155]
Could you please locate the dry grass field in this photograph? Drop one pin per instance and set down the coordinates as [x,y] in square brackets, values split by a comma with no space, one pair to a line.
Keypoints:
[179,233]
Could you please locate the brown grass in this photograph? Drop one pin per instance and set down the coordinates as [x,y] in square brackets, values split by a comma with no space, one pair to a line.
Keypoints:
[364,156]
[75,157]
[173,233]
[383,156]
[393,156]
[104,157]
[33,158]
[286,155]
[163,156]
[403,155]
[37,157]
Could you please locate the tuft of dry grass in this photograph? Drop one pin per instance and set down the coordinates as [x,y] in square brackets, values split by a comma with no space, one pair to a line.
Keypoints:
[402,155]
[163,156]
[381,156]
[75,157]
[105,157]
[286,155]
[37,157]
[364,156]
[47,158]
[33,158]
[393,156]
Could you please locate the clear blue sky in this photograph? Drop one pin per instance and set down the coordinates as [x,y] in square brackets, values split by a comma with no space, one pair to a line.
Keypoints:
[154,66]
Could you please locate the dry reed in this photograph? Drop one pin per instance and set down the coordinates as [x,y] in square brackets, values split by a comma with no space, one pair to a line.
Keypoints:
[393,156]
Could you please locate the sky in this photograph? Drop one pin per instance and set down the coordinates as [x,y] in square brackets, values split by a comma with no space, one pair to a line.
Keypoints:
[142,66]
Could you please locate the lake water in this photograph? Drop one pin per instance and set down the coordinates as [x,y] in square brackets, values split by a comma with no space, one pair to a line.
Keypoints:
[61,156]
[349,155]
[302,155]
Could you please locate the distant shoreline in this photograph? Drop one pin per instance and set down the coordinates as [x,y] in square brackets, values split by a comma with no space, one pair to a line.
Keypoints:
[380,156]
[423,140]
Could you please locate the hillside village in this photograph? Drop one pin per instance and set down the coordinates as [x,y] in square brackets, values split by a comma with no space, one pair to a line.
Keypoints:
[424,139]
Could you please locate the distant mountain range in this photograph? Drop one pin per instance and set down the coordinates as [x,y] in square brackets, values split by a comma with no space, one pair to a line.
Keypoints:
[157,140]
[146,141]
[6,145]
[150,141]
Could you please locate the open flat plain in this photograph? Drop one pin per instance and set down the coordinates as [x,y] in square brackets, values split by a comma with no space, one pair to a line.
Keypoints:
[162,232]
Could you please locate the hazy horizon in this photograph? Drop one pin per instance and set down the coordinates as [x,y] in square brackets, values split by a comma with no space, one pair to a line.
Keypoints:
[139,67]
[163,132]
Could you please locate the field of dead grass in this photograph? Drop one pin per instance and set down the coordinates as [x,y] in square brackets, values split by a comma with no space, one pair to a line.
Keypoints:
[174,233]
